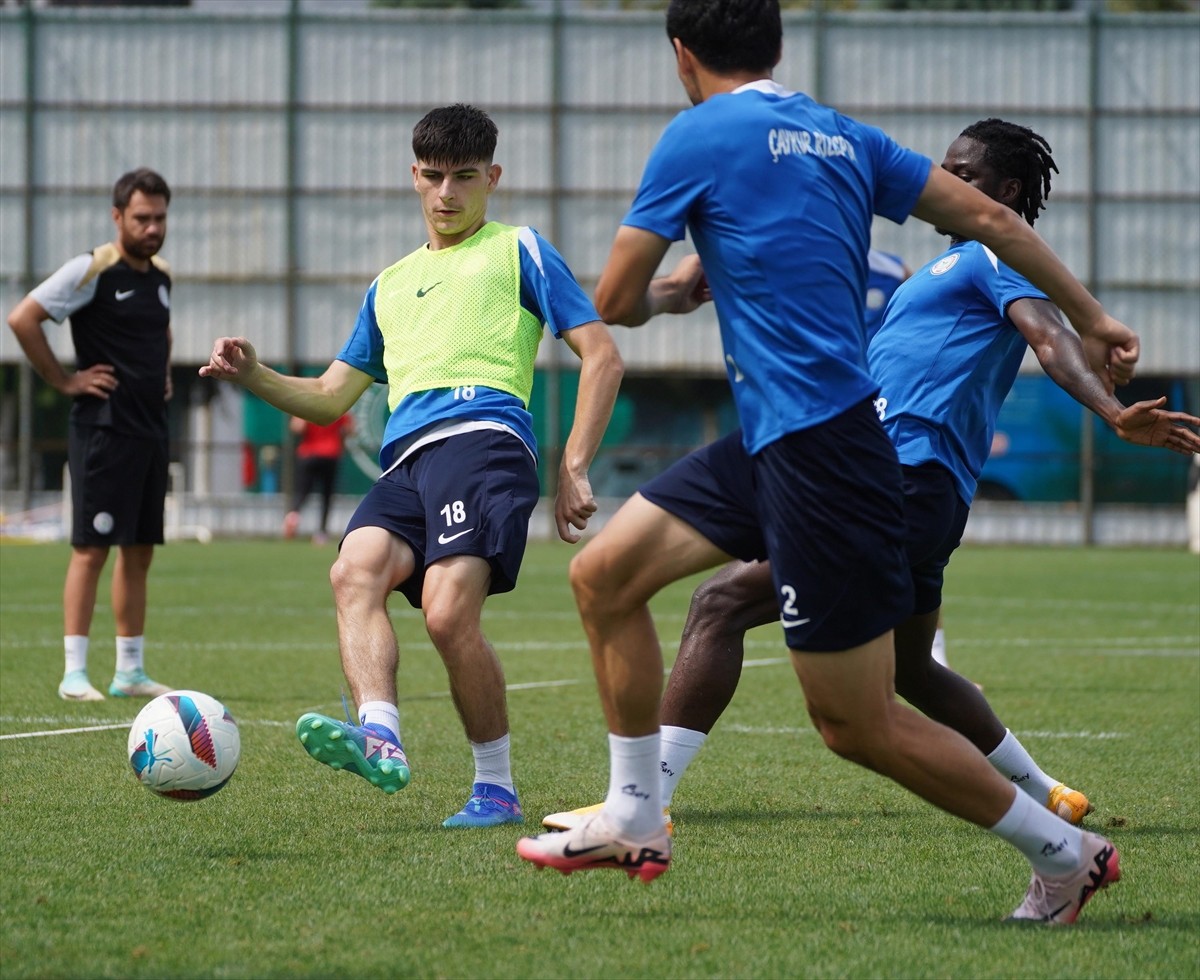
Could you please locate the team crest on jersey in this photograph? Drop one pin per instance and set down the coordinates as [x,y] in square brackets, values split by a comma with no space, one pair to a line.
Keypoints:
[944,265]
[164,297]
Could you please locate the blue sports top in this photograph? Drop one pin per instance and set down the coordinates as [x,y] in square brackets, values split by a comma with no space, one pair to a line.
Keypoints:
[945,358]
[885,272]
[778,193]
[548,291]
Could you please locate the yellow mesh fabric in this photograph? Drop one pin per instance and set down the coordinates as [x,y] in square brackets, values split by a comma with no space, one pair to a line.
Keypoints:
[453,317]
[104,257]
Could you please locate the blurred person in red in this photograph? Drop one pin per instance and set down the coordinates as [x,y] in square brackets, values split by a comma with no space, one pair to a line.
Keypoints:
[318,453]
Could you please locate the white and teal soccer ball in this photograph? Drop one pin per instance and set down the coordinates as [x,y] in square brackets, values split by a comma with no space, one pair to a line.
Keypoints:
[184,745]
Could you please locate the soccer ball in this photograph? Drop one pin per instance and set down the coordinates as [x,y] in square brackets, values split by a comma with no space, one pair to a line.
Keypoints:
[184,745]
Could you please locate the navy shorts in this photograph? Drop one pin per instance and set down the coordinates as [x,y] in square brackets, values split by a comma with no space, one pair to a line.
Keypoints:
[712,489]
[118,487]
[833,515]
[936,517]
[470,494]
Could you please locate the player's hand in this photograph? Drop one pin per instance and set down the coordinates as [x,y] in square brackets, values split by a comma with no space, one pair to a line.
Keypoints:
[573,505]
[232,358]
[1112,350]
[685,288]
[98,381]
[1148,424]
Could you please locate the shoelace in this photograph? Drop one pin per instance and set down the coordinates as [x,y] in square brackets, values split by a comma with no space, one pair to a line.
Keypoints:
[353,722]
[1036,899]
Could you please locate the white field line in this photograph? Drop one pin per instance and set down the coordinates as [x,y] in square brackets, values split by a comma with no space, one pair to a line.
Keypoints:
[66,731]
[1112,609]
[758,730]
[100,725]
[1111,646]
[1119,643]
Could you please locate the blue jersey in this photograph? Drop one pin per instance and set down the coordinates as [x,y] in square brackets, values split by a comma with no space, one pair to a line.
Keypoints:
[945,358]
[548,291]
[885,272]
[778,193]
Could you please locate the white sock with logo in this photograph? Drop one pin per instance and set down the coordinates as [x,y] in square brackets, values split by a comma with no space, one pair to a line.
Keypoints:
[380,713]
[493,763]
[1052,845]
[634,801]
[130,653]
[679,748]
[75,651]
[1010,759]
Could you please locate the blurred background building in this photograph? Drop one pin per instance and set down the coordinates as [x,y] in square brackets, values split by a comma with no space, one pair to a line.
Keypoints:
[283,127]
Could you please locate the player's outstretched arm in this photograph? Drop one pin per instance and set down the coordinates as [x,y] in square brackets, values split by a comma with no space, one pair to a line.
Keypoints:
[1149,424]
[232,359]
[322,400]
[951,203]
[599,379]
[1061,355]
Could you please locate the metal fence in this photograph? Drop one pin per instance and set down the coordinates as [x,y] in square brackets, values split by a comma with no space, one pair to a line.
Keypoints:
[286,137]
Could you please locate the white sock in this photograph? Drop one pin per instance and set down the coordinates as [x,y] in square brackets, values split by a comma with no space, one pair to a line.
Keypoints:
[130,651]
[1052,845]
[634,801]
[380,713]
[493,763]
[1010,759]
[679,748]
[75,651]
[939,647]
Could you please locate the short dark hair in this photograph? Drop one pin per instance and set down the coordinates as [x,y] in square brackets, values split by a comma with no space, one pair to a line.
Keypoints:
[728,35]
[143,179]
[1017,151]
[455,134]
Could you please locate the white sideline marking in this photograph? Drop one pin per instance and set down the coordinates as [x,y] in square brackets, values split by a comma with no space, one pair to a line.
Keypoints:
[530,686]
[65,731]
[534,685]
[737,729]
[758,730]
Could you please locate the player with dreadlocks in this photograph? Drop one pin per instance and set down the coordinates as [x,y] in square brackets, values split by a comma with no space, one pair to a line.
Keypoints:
[1022,154]
[952,340]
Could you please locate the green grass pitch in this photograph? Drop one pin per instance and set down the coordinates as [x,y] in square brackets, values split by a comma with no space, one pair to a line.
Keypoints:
[789,862]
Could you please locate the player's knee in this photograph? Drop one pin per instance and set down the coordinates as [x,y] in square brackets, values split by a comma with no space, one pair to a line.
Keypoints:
[586,573]
[350,580]
[855,742]
[716,609]
[444,624]
[91,559]
[841,742]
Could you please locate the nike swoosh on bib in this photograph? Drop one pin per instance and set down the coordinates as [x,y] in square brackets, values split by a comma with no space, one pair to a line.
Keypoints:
[119,296]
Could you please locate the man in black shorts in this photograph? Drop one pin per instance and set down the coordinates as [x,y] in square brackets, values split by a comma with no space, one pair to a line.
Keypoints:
[780,210]
[118,297]
[453,330]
